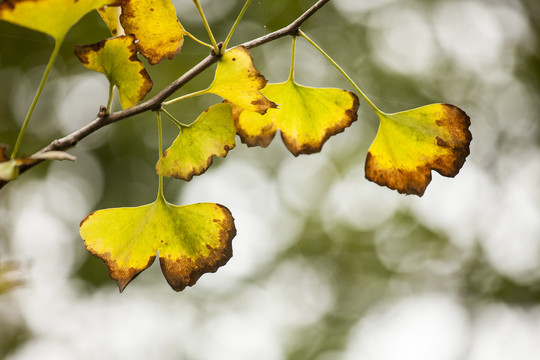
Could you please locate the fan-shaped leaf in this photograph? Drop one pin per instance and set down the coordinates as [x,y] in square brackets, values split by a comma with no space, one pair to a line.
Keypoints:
[191,240]
[156,27]
[52,17]
[212,134]
[238,81]
[410,144]
[117,59]
[306,116]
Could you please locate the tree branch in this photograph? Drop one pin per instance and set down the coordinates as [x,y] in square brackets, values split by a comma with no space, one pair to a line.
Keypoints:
[104,119]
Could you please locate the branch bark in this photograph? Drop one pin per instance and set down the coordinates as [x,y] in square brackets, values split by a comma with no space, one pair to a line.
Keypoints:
[104,119]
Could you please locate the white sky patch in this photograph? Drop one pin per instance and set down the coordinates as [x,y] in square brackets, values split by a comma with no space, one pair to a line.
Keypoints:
[501,332]
[354,8]
[402,40]
[358,202]
[473,34]
[423,327]
[510,234]
[456,206]
[304,180]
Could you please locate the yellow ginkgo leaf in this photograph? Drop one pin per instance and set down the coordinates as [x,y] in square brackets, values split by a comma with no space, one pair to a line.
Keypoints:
[307,117]
[191,240]
[410,144]
[156,27]
[117,59]
[111,17]
[212,134]
[238,81]
[52,17]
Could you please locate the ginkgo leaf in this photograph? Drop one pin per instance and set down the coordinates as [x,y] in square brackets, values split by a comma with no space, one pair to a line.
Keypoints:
[156,27]
[111,17]
[191,240]
[212,134]
[117,59]
[238,81]
[52,17]
[307,117]
[410,144]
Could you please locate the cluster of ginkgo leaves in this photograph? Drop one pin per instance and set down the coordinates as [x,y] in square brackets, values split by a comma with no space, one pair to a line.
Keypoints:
[194,239]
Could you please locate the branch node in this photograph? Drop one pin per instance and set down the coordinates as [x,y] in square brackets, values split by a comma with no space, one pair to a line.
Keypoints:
[56,144]
[102,112]
[219,53]
[105,118]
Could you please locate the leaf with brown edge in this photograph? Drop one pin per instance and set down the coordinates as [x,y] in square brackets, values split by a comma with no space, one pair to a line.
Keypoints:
[52,17]
[307,117]
[411,143]
[212,134]
[111,17]
[156,27]
[238,81]
[117,59]
[191,240]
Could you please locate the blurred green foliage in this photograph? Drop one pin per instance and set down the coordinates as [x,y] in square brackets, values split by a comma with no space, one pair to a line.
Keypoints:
[404,254]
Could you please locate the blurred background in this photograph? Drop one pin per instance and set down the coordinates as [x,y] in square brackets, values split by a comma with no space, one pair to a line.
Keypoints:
[326,264]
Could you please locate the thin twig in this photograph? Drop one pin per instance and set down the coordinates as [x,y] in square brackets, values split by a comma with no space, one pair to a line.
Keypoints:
[104,119]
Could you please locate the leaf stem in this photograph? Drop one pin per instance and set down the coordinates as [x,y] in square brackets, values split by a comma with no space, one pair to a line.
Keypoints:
[370,103]
[99,122]
[207,26]
[160,196]
[110,100]
[193,94]
[54,55]
[291,72]
[197,40]
[178,123]
[236,22]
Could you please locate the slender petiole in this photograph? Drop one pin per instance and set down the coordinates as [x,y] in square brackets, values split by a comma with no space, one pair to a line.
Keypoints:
[199,41]
[236,22]
[291,73]
[111,95]
[193,94]
[370,103]
[160,196]
[178,123]
[207,26]
[54,55]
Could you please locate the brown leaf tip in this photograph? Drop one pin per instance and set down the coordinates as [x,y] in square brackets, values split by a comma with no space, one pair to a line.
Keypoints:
[124,276]
[457,123]
[183,271]
[405,182]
